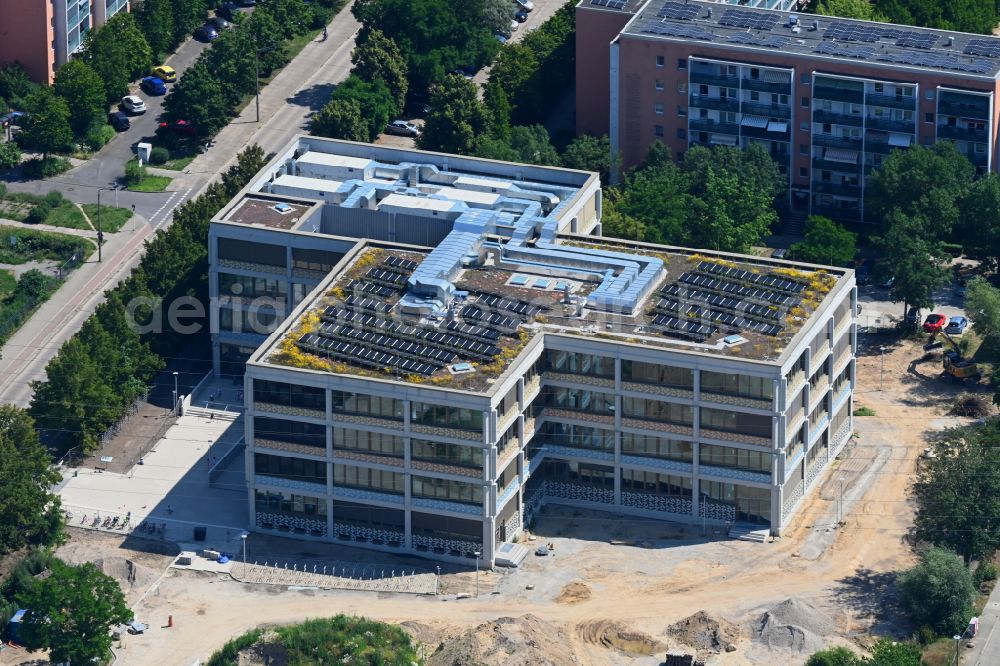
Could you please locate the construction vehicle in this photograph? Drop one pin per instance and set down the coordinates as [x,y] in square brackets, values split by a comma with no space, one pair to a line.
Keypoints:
[956,367]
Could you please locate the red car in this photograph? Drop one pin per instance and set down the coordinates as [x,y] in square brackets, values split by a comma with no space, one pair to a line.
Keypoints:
[935,323]
[178,127]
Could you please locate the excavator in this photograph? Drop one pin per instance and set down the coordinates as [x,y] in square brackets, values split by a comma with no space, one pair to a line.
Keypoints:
[956,367]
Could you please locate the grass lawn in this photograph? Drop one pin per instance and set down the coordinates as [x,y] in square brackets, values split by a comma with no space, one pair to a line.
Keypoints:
[176,163]
[19,245]
[67,215]
[151,184]
[7,282]
[112,219]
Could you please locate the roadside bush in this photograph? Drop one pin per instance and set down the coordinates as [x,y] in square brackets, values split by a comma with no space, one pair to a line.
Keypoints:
[864,411]
[10,155]
[986,571]
[159,155]
[98,136]
[54,198]
[134,172]
[938,592]
[39,213]
[46,168]
[3,189]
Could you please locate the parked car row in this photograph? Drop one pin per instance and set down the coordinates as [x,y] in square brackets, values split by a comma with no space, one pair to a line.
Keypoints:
[935,323]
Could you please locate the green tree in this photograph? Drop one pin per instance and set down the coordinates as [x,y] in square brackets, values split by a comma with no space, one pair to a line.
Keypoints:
[156,20]
[982,304]
[434,36]
[48,129]
[922,182]
[71,612]
[374,98]
[119,53]
[963,15]
[293,16]
[230,60]
[856,9]
[15,85]
[938,591]
[533,145]
[913,257]
[188,15]
[497,15]
[268,38]
[887,652]
[837,656]
[198,97]
[732,194]
[82,89]
[498,107]
[340,119]
[27,508]
[589,153]
[979,226]
[377,58]
[826,242]
[10,155]
[653,203]
[457,117]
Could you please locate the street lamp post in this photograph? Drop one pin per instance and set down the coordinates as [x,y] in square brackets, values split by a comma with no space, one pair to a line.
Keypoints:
[256,78]
[175,393]
[244,536]
[957,638]
[477,554]
[100,231]
[881,366]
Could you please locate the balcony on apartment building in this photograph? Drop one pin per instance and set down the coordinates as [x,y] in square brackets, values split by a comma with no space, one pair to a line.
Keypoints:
[839,160]
[962,133]
[714,78]
[834,118]
[770,82]
[838,93]
[700,101]
[761,127]
[884,143]
[897,101]
[842,189]
[891,124]
[977,108]
[714,126]
[767,110]
[832,141]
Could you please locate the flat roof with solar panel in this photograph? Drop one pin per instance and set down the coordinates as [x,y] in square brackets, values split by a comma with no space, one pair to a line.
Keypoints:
[360,324]
[791,34]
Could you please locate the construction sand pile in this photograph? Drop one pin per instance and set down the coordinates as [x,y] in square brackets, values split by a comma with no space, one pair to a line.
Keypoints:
[793,625]
[704,632]
[615,636]
[573,593]
[507,641]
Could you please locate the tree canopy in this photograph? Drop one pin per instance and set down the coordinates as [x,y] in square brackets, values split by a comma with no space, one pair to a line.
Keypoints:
[28,512]
[156,20]
[82,89]
[198,97]
[374,99]
[71,613]
[958,492]
[119,53]
[457,118]
[856,9]
[938,592]
[48,129]
[962,15]
[979,227]
[826,242]
[434,36]
[589,154]
[377,58]
[340,119]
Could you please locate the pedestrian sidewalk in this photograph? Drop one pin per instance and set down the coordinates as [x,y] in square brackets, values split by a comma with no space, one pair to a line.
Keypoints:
[985,650]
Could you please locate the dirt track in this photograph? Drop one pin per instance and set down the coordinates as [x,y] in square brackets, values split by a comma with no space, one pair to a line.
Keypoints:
[636,590]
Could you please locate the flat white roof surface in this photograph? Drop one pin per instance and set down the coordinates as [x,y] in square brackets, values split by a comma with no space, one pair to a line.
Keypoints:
[471,181]
[329,159]
[422,203]
[306,183]
[469,196]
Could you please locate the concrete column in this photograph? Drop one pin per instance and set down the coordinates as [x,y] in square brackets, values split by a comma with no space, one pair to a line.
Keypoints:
[695,482]
[407,499]
[618,468]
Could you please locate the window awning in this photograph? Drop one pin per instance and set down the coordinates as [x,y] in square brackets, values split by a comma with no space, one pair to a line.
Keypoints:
[775,77]
[777,126]
[722,140]
[753,121]
[901,140]
[841,155]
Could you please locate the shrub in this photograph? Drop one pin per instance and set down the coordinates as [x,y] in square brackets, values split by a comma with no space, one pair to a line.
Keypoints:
[10,155]
[3,189]
[134,172]
[952,249]
[938,592]
[864,411]
[159,155]
[971,404]
[984,572]
[39,213]
[46,168]
[837,656]
[98,136]
[54,198]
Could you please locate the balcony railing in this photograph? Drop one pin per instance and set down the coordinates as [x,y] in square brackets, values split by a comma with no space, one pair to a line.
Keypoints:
[714,126]
[833,118]
[768,110]
[837,213]
[891,125]
[717,103]
[767,86]
[962,133]
[892,101]
[832,141]
[842,189]
[838,94]
[762,133]
[979,112]
[978,159]
[831,165]
[713,79]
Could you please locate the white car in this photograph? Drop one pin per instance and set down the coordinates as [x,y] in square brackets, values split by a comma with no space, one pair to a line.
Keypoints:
[402,128]
[514,25]
[132,104]
[526,5]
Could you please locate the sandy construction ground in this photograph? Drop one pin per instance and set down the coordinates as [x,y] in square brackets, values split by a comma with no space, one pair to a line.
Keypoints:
[598,603]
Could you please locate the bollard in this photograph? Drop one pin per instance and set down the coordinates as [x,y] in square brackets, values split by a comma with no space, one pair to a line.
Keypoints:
[170,621]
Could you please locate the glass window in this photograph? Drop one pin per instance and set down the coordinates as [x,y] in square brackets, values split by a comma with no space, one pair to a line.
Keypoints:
[805,102]
[293,469]
[658,108]
[445,489]
[251,287]
[293,432]
[452,454]
[370,479]
[658,130]
[654,373]
[369,442]
[360,404]
[578,437]
[289,503]
[289,395]
[579,473]
[651,446]
[682,63]
[733,458]
[736,422]
[658,84]
[580,400]
[737,385]
[681,134]
[579,364]
[669,485]
[660,62]
[657,410]
[441,416]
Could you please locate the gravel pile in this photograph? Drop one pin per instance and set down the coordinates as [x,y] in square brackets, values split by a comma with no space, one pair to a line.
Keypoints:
[793,625]
[704,632]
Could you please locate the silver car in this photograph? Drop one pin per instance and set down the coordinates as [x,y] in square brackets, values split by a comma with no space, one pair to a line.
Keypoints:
[402,128]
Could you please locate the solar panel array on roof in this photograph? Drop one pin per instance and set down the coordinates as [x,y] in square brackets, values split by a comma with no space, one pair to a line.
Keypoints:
[936,60]
[860,32]
[774,42]
[522,309]
[680,30]
[685,328]
[610,4]
[677,10]
[387,278]
[362,303]
[399,262]
[917,40]
[983,47]
[772,281]
[491,319]
[846,50]
[739,18]
[370,288]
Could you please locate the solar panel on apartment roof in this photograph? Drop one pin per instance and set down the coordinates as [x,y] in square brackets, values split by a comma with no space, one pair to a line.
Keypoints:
[677,10]
[983,47]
